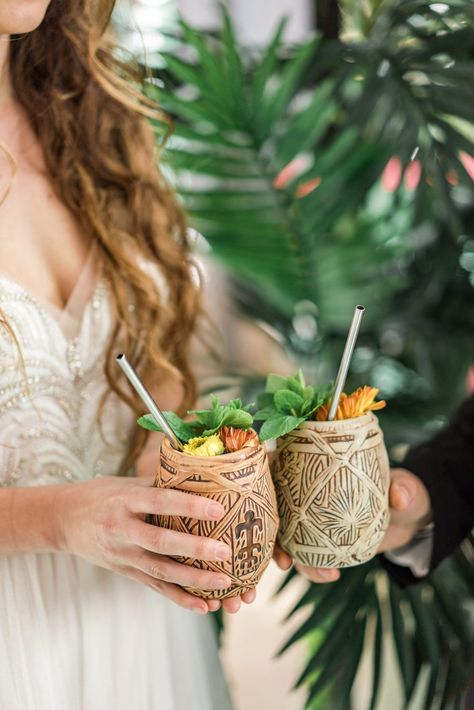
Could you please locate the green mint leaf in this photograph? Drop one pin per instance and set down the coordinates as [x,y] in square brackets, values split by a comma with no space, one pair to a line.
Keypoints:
[210,418]
[288,402]
[294,384]
[148,423]
[308,392]
[264,399]
[265,412]
[238,418]
[275,383]
[234,404]
[209,432]
[278,425]
[237,404]
[183,430]
[300,378]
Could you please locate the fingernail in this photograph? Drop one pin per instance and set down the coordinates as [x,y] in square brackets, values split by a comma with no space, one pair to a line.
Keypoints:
[222,583]
[329,574]
[199,610]
[404,495]
[216,511]
[223,552]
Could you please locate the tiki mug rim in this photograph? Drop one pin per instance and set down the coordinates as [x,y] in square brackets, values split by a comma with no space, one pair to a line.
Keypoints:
[231,457]
[354,422]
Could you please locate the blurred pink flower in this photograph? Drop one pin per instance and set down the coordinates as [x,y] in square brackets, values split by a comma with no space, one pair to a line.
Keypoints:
[468,162]
[306,187]
[289,172]
[470,379]
[391,174]
[412,174]
[452,177]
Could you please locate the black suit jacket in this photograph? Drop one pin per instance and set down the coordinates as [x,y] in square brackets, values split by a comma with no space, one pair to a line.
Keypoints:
[445,464]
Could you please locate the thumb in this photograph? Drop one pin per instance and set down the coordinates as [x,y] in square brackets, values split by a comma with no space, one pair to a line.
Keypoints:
[410,509]
[409,498]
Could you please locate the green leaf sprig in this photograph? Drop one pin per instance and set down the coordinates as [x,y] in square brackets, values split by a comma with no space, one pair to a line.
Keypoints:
[206,422]
[286,403]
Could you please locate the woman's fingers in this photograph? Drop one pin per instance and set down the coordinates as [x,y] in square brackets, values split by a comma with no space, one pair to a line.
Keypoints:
[249,596]
[232,605]
[173,592]
[171,542]
[213,604]
[282,558]
[167,570]
[165,501]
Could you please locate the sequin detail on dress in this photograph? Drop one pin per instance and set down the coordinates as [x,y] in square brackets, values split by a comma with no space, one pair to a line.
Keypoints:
[48,422]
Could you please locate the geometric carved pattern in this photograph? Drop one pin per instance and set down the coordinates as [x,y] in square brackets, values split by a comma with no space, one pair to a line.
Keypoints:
[332,481]
[242,483]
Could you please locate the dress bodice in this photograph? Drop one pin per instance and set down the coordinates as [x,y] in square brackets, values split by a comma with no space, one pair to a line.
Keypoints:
[50,398]
[68,625]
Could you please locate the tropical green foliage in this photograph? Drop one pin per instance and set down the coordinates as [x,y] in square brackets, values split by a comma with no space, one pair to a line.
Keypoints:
[428,630]
[336,173]
[286,403]
[206,421]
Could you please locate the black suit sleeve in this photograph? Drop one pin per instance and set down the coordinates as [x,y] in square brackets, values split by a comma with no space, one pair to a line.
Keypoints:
[445,464]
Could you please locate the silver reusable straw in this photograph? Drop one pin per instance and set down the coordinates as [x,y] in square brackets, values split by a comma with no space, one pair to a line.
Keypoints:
[148,401]
[346,358]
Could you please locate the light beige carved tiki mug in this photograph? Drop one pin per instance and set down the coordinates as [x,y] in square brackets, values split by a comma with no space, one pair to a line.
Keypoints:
[242,483]
[332,481]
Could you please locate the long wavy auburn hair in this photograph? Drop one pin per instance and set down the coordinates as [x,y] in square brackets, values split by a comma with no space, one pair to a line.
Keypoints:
[90,115]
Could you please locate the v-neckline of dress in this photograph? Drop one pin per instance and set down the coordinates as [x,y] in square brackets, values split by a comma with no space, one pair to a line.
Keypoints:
[70,317]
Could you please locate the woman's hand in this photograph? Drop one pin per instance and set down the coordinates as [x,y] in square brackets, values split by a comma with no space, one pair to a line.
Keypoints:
[410,511]
[149,461]
[103,521]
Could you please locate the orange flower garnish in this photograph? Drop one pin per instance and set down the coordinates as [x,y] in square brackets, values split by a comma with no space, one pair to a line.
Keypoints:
[235,439]
[352,405]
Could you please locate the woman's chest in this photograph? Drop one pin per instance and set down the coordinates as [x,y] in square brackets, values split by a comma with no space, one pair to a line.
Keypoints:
[41,245]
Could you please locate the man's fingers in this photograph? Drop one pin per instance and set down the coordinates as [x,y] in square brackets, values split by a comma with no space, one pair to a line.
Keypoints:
[397,536]
[410,509]
[319,575]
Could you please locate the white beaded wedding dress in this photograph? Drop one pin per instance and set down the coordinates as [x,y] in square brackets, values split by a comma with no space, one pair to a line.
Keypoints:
[72,635]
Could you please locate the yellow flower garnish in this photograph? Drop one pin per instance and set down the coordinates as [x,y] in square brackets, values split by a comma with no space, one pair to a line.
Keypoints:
[353,405]
[204,446]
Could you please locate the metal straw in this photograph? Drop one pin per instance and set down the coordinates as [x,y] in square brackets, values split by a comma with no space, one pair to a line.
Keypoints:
[346,358]
[148,400]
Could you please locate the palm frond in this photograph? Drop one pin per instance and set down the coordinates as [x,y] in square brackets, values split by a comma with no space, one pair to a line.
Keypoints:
[281,160]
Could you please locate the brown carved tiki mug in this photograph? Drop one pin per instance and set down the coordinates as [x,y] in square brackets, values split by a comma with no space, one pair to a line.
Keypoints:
[242,483]
[332,481]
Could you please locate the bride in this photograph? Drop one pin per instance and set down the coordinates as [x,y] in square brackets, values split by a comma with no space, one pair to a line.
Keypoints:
[93,260]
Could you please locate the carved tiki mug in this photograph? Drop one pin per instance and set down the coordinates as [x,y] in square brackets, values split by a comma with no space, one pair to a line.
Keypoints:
[332,481]
[242,483]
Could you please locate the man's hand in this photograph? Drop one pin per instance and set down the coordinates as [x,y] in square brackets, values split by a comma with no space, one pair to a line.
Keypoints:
[410,511]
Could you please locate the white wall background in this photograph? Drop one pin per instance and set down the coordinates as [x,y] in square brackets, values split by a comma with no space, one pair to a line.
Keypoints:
[255,19]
